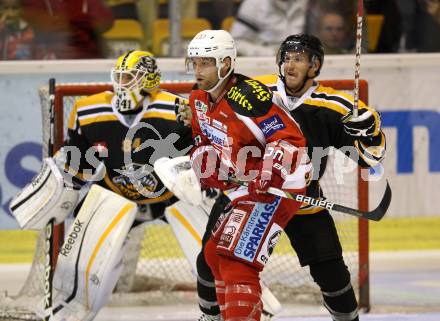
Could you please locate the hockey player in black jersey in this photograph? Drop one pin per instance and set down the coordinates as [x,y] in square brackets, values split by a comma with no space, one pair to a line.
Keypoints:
[134,126]
[325,117]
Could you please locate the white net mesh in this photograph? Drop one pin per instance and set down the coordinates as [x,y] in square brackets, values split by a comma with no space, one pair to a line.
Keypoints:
[156,271]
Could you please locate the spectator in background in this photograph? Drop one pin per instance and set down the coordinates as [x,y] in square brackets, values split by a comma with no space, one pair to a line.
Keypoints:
[332,32]
[433,8]
[16,37]
[421,25]
[69,29]
[261,25]
[391,32]
[347,9]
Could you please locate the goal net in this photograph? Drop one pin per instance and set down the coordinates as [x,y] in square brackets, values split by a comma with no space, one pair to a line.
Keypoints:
[155,269]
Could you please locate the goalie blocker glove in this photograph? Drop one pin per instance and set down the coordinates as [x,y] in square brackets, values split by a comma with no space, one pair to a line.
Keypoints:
[46,197]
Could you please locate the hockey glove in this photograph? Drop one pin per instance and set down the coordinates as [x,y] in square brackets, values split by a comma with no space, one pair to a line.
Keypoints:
[272,172]
[258,189]
[182,111]
[367,124]
[205,160]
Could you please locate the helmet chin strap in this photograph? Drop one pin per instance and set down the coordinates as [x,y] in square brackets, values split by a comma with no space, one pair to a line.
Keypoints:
[220,80]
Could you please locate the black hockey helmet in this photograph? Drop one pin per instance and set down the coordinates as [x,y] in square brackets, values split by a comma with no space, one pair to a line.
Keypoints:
[302,42]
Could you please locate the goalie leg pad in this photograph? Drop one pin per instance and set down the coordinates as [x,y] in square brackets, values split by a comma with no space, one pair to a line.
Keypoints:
[89,262]
[43,199]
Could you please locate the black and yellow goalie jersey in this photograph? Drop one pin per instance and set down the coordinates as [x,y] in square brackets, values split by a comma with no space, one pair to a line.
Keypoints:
[318,113]
[127,145]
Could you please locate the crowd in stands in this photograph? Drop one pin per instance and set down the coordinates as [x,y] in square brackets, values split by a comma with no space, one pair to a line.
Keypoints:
[71,29]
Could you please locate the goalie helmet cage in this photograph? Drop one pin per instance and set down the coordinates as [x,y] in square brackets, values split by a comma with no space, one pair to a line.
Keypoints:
[155,270]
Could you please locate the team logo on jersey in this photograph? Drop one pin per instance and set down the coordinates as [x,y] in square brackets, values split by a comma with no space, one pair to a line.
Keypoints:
[271,125]
[200,106]
[137,181]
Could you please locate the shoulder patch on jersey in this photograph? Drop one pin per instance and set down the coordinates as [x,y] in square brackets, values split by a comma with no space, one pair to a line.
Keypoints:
[271,125]
[250,98]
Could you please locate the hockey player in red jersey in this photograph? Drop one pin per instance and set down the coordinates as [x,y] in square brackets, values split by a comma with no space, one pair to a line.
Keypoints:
[325,117]
[239,131]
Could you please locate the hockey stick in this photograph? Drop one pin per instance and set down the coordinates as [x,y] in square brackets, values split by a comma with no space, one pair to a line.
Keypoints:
[357,69]
[374,215]
[49,237]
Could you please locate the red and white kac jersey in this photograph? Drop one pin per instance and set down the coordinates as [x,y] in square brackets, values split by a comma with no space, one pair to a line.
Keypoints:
[243,117]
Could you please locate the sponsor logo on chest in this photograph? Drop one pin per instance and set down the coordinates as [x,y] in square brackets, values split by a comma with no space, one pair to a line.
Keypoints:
[219,125]
[200,106]
[216,136]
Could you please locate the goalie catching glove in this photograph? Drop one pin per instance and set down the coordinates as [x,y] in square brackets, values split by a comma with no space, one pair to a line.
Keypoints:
[46,197]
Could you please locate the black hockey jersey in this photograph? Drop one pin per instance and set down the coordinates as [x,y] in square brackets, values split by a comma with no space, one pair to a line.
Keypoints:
[318,113]
[127,145]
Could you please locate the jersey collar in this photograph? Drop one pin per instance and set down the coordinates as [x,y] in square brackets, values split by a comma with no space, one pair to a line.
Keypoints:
[290,102]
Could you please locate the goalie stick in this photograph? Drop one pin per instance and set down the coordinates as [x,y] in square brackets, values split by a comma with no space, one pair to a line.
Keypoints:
[49,235]
[374,215]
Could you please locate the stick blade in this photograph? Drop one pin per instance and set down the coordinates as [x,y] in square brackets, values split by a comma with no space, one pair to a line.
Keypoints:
[380,211]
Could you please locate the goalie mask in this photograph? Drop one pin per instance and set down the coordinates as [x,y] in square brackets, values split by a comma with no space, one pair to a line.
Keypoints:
[135,74]
[301,43]
[217,44]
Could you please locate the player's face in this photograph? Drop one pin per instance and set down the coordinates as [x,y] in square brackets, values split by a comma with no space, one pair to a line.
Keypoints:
[296,65]
[332,31]
[10,11]
[205,72]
